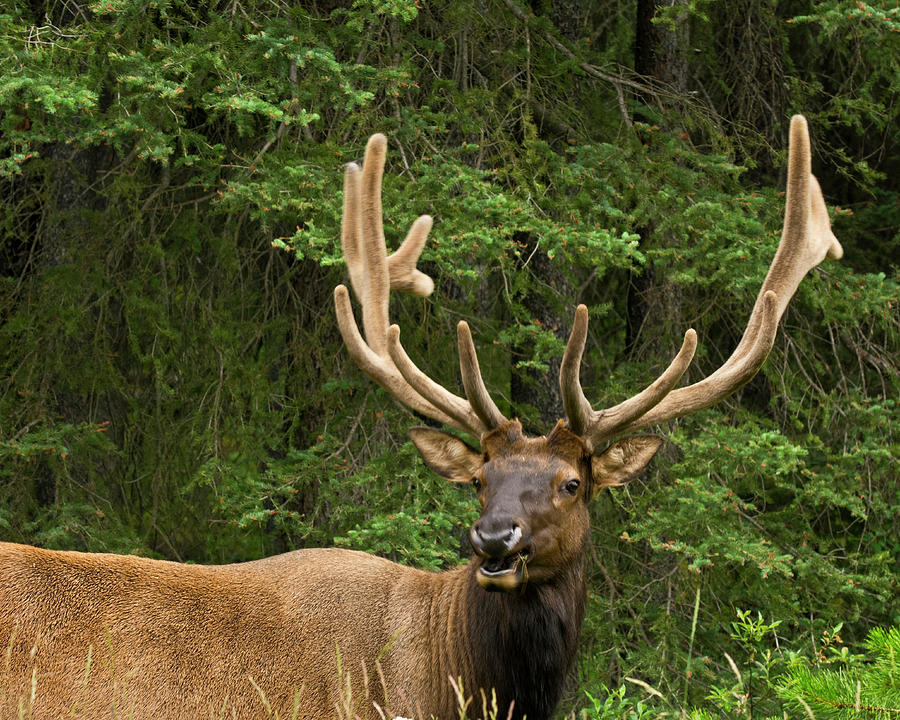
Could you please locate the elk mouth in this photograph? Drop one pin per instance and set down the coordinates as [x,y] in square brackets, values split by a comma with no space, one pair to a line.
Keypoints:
[504,573]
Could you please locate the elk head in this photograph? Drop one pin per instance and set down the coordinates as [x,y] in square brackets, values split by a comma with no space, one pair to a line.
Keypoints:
[534,491]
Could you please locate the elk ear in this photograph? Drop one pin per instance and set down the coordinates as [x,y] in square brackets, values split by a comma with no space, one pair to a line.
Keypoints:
[447,455]
[624,460]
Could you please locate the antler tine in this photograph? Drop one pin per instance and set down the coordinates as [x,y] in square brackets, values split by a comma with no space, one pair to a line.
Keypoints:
[806,238]
[351,232]
[596,427]
[576,406]
[451,404]
[375,366]
[374,251]
[806,241]
[402,263]
[476,392]
[373,274]
[478,412]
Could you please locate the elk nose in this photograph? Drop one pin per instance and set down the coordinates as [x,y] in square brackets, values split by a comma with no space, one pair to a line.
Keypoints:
[496,538]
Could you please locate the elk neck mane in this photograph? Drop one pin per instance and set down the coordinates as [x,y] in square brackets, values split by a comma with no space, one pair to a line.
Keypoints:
[522,644]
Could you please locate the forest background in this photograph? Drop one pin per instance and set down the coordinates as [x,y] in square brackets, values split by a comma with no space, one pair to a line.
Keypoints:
[172,382]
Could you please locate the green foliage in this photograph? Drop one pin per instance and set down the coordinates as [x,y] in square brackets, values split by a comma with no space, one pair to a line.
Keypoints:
[616,705]
[850,688]
[831,683]
[392,505]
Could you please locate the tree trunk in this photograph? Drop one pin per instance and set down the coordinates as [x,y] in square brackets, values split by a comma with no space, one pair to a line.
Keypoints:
[529,387]
[653,315]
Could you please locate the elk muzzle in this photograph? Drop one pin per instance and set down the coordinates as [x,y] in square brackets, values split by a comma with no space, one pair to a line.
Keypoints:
[503,546]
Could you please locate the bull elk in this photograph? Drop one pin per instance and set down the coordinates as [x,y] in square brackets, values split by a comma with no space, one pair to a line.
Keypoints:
[302,633]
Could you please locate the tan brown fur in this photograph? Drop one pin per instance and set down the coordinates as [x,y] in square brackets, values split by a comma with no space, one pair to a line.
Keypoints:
[166,640]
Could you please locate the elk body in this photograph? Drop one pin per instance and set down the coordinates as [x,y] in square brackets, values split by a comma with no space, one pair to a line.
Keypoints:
[326,633]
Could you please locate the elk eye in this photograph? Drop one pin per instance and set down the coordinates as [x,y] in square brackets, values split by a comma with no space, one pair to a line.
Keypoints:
[571,487]
[476,483]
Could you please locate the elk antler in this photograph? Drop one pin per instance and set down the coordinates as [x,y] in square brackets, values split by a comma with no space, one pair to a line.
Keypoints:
[806,240]
[373,275]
